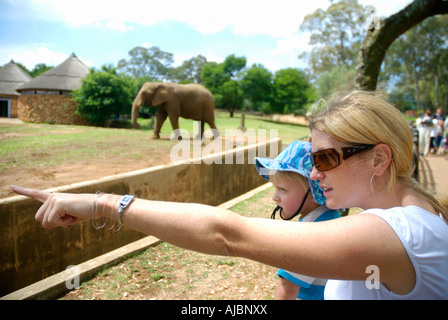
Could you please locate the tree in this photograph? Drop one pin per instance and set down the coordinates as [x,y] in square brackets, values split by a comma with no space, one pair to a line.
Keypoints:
[339,78]
[145,62]
[221,80]
[189,71]
[406,52]
[213,76]
[290,90]
[417,61]
[335,34]
[232,96]
[39,69]
[232,65]
[103,94]
[383,33]
[216,74]
[436,53]
[256,84]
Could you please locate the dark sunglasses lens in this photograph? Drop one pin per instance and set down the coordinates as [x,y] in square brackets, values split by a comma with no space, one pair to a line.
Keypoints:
[326,159]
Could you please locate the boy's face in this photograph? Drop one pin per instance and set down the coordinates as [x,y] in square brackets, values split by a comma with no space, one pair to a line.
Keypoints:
[289,195]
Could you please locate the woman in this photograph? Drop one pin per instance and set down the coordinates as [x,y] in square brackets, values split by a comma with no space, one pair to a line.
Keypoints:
[362,151]
[373,143]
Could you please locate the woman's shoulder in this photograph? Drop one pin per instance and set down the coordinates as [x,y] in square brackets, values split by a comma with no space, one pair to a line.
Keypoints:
[411,212]
[413,223]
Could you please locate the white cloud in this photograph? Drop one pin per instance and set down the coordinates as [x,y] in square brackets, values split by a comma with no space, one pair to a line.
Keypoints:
[29,57]
[118,25]
[277,18]
[386,8]
[291,44]
[243,17]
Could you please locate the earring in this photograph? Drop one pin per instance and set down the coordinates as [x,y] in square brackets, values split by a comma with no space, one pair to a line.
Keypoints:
[371,185]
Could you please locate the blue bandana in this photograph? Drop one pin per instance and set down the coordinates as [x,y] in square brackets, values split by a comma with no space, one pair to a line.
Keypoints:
[297,158]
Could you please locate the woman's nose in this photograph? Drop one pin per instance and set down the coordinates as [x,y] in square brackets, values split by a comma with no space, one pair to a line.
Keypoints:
[316,174]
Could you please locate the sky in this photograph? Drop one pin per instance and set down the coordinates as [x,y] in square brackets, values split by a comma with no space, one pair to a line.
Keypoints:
[102,32]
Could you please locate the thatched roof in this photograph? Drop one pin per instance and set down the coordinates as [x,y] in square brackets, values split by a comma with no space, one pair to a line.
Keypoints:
[67,76]
[11,77]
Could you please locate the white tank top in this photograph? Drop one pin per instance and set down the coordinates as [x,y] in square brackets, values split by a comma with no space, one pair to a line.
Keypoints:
[425,238]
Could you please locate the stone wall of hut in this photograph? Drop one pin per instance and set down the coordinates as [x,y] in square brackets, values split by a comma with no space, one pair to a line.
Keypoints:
[49,108]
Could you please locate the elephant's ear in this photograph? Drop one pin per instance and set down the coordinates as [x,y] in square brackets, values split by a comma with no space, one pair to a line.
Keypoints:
[163,94]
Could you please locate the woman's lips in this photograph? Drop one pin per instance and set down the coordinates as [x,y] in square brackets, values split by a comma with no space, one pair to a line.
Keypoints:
[327,191]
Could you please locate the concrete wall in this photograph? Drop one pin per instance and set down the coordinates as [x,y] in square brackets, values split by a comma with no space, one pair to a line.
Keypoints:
[29,253]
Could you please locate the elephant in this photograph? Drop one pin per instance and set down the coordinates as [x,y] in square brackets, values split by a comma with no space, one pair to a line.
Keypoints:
[190,101]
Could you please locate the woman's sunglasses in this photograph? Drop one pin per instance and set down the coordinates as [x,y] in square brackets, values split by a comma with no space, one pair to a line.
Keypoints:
[327,159]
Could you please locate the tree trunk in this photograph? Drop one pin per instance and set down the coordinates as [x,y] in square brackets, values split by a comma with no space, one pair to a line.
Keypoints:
[417,91]
[445,103]
[436,87]
[377,41]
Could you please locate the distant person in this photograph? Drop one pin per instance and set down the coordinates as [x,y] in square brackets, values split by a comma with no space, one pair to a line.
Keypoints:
[438,130]
[438,141]
[425,127]
[296,196]
[439,115]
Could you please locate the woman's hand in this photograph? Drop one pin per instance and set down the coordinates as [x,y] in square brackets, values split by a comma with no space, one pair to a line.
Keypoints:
[60,209]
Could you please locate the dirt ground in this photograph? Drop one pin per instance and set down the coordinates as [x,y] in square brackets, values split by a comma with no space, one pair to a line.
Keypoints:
[166,272]
[162,272]
[60,175]
[80,170]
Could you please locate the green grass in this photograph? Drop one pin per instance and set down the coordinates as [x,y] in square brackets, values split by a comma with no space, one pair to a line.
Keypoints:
[287,132]
[45,145]
[169,272]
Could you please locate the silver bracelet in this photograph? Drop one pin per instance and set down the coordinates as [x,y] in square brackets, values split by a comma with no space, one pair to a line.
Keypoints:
[111,214]
[95,223]
[124,203]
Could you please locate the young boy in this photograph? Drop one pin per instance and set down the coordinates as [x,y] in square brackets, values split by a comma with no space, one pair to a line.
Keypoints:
[296,195]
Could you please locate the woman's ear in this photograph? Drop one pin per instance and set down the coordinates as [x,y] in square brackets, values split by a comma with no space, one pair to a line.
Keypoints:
[382,156]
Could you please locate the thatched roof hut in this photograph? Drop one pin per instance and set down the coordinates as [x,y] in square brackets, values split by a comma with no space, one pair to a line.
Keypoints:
[47,98]
[65,77]
[11,77]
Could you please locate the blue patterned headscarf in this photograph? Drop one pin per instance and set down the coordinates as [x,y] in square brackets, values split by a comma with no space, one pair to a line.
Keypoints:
[297,158]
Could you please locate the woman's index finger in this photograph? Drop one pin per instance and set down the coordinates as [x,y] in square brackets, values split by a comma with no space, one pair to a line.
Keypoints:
[39,195]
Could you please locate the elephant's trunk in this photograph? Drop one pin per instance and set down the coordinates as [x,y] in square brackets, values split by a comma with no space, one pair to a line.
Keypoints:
[135,108]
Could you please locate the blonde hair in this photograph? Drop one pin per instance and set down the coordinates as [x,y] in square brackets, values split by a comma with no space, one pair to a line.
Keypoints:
[361,117]
[291,176]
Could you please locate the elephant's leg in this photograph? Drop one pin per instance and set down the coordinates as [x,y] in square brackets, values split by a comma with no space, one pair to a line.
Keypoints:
[200,134]
[215,130]
[160,119]
[174,119]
